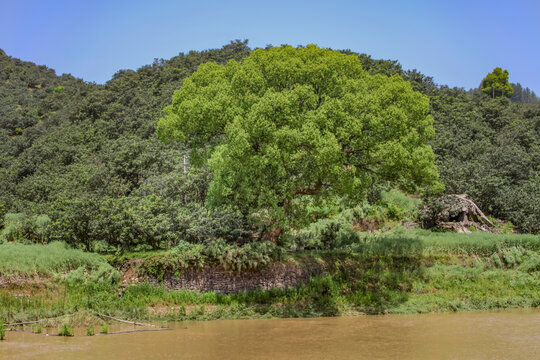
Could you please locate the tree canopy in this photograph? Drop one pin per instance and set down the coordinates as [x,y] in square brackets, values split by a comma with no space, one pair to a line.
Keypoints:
[286,123]
[496,84]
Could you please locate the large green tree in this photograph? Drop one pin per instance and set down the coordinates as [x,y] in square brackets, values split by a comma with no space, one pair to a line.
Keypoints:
[286,124]
[496,84]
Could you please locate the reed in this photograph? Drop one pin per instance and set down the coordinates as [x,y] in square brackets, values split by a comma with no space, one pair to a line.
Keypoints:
[2,330]
[65,330]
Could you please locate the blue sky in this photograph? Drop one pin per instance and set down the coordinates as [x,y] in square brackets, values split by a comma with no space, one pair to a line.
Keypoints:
[456,42]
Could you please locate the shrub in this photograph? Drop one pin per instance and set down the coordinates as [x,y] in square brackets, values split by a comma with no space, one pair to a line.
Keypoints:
[14,225]
[21,228]
[251,256]
[399,205]
[531,264]
[328,233]
[199,224]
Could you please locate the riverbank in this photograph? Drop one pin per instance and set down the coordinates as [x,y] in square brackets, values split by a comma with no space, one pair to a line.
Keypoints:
[411,272]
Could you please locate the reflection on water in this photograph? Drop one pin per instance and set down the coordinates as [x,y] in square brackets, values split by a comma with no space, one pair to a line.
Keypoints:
[493,335]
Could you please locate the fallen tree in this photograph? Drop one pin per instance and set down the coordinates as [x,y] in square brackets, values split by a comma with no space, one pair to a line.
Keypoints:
[455,212]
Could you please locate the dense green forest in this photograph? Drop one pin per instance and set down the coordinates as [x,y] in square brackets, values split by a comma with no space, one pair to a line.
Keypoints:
[81,162]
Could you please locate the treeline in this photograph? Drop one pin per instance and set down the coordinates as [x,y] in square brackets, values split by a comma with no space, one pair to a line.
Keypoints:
[81,162]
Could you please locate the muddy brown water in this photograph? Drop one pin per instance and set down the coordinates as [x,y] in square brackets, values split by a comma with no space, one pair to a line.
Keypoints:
[481,335]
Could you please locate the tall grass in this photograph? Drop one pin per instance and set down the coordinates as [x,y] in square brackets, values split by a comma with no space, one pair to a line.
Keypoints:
[2,330]
[476,242]
[46,259]
[65,330]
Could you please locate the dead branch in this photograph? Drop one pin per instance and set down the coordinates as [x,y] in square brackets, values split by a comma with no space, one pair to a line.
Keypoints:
[126,321]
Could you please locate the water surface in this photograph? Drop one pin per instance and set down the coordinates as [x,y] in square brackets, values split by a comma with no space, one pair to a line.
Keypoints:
[481,335]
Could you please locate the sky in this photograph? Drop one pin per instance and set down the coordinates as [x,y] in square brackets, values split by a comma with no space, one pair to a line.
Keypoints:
[456,42]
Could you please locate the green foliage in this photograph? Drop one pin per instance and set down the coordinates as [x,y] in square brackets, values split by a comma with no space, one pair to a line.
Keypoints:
[21,228]
[200,224]
[522,95]
[65,330]
[14,224]
[232,257]
[313,118]
[531,264]
[399,205]
[489,149]
[250,256]
[89,331]
[399,272]
[476,243]
[341,229]
[2,330]
[2,214]
[330,233]
[496,260]
[496,84]
[104,329]
[87,156]
[506,227]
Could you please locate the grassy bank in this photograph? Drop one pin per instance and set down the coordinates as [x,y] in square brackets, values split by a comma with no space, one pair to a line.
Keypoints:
[47,260]
[404,272]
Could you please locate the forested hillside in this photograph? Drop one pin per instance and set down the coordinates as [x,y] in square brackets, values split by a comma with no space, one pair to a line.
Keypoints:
[81,162]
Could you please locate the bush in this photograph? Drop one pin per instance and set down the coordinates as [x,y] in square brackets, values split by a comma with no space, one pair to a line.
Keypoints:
[250,256]
[14,227]
[21,228]
[400,206]
[130,223]
[327,234]
[233,257]
[531,264]
[201,225]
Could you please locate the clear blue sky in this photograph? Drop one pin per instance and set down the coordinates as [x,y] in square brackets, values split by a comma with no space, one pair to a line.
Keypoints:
[456,42]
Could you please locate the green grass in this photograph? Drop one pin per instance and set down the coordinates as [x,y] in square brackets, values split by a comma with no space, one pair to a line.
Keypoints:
[49,259]
[476,242]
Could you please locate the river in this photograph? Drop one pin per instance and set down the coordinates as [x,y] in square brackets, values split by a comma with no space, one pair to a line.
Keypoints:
[478,335]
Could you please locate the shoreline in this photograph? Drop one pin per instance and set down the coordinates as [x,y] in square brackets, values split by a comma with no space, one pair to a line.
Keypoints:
[401,274]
